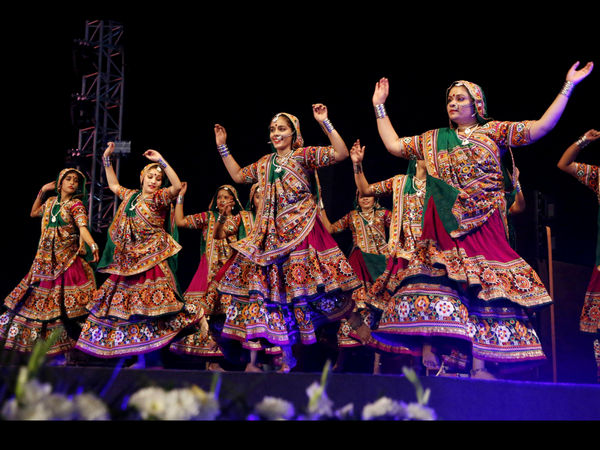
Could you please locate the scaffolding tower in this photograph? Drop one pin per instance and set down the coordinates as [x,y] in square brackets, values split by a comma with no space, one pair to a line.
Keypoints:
[98,113]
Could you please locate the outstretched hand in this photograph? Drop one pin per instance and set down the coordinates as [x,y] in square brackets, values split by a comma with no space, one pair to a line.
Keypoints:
[382,90]
[357,153]
[577,76]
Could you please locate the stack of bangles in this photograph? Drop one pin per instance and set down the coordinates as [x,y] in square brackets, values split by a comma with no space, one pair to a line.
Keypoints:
[582,141]
[223,150]
[380,111]
[94,247]
[518,187]
[567,88]
[106,161]
[328,126]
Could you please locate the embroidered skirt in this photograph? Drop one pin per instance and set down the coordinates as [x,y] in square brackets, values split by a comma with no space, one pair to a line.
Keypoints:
[35,310]
[471,293]
[284,303]
[590,313]
[137,314]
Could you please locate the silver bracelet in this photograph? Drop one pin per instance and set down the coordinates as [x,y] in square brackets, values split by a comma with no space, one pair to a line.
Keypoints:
[106,161]
[582,142]
[567,88]
[328,125]
[380,111]
[223,150]
[179,199]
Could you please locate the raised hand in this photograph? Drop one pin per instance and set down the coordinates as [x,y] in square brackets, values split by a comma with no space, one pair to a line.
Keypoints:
[220,134]
[49,186]
[109,149]
[576,76]
[592,135]
[382,90]
[357,153]
[183,188]
[320,112]
[152,155]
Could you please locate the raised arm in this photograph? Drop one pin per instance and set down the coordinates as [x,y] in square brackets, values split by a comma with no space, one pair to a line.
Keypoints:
[519,204]
[550,118]
[234,169]
[339,146]
[567,161]
[156,157]
[388,135]
[111,176]
[357,153]
[36,209]
[179,216]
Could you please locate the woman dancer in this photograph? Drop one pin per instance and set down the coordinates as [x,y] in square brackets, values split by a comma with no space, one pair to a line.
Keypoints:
[54,293]
[408,195]
[368,223]
[464,283]
[589,175]
[289,274]
[138,309]
[221,225]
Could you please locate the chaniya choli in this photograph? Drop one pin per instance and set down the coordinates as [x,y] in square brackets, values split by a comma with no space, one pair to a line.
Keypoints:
[589,322]
[288,276]
[139,308]
[367,257]
[214,253]
[60,283]
[464,283]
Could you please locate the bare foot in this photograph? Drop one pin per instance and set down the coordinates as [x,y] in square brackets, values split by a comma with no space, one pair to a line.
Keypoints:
[214,367]
[482,374]
[253,368]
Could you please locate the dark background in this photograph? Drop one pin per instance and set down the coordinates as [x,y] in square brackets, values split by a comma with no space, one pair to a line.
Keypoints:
[189,67]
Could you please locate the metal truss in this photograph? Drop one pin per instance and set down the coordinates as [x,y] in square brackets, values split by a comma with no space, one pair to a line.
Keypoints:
[98,113]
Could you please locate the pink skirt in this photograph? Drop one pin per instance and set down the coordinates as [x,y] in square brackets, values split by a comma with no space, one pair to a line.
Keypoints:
[36,310]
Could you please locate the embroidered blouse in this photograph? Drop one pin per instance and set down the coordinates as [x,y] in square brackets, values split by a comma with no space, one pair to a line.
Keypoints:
[368,237]
[59,244]
[288,210]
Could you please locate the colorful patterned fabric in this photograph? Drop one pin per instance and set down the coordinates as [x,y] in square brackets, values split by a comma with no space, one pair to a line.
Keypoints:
[473,170]
[589,175]
[138,309]
[368,233]
[288,274]
[58,286]
[137,239]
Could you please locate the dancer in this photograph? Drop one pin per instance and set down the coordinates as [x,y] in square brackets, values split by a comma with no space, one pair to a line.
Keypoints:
[221,225]
[138,309]
[368,223]
[408,195]
[589,175]
[289,274]
[54,293]
[464,284]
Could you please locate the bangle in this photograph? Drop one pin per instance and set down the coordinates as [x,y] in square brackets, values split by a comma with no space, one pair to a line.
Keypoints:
[222,219]
[162,163]
[94,247]
[357,167]
[582,142]
[179,199]
[223,150]
[380,111]
[106,161]
[567,88]
[328,126]
[518,187]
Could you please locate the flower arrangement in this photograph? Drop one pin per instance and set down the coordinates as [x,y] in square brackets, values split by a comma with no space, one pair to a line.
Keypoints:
[34,400]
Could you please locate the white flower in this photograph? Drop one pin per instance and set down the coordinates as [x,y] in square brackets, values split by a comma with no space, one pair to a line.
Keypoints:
[273,408]
[150,402]
[347,412]
[319,404]
[416,411]
[384,408]
[90,407]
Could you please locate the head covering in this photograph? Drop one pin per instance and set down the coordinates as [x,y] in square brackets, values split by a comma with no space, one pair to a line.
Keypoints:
[229,188]
[153,166]
[478,97]
[80,193]
[250,205]
[297,138]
